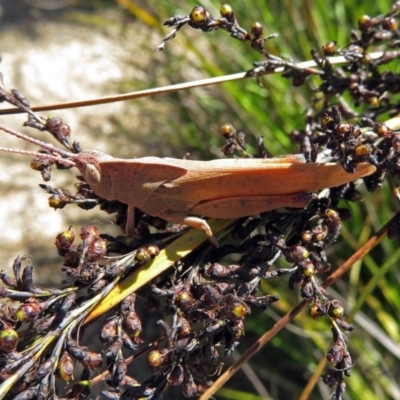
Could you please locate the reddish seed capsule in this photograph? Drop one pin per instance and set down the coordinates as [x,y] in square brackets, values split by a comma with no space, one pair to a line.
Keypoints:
[153,250]
[365,22]
[133,326]
[157,358]
[344,130]
[298,253]
[184,300]
[308,269]
[98,249]
[336,312]
[228,131]
[314,311]
[56,202]
[28,312]
[66,367]
[142,255]
[64,240]
[39,164]
[373,101]
[108,332]
[329,48]
[8,340]
[198,15]
[59,129]
[257,29]
[89,232]
[306,236]
[336,309]
[92,360]
[362,152]
[382,129]
[71,259]
[184,327]
[226,11]
[390,24]
[234,309]
[239,311]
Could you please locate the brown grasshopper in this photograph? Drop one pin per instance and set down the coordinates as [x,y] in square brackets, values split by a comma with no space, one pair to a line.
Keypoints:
[184,191]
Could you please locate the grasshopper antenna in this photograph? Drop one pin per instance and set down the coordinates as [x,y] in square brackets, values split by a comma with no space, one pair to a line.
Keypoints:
[68,163]
[44,145]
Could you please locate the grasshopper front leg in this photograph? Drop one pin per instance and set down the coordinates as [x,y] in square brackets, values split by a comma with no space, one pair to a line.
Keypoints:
[130,221]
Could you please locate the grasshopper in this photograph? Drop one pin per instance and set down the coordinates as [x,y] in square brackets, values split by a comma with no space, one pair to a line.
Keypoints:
[186,191]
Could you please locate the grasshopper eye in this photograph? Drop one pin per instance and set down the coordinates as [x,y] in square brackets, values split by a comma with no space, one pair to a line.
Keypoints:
[92,175]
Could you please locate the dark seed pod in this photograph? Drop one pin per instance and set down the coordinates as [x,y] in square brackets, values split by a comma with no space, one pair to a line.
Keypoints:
[307,290]
[71,259]
[68,302]
[27,276]
[108,332]
[60,130]
[97,286]
[344,325]
[113,351]
[8,280]
[335,353]
[176,376]
[133,326]
[331,377]
[128,343]
[20,97]
[44,369]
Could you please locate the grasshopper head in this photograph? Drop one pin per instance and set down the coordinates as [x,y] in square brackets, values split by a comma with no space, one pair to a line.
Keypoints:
[89,164]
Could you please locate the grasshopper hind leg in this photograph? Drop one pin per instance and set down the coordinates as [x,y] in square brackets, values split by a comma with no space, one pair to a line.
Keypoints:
[194,222]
